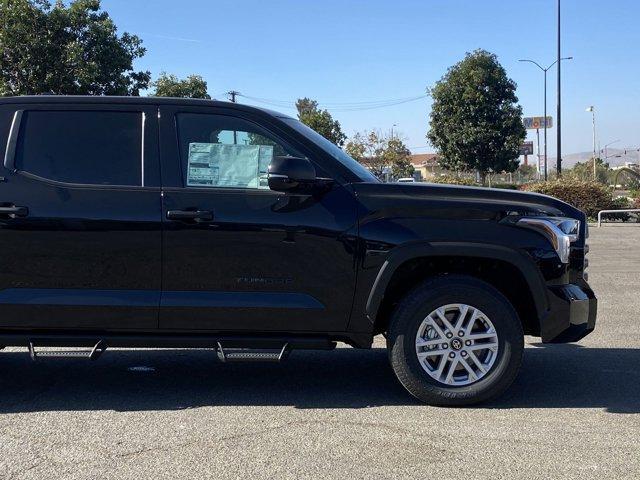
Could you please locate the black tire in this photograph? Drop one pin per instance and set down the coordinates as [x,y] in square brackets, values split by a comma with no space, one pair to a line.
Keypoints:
[427,297]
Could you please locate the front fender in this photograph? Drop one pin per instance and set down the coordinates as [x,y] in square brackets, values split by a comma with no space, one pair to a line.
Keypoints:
[418,249]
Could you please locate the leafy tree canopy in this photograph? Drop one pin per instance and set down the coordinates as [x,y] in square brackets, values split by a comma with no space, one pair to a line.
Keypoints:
[379,152]
[476,123]
[194,86]
[320,120]
[69,49]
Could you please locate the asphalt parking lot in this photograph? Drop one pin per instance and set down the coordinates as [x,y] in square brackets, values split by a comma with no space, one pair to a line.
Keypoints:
[574,411]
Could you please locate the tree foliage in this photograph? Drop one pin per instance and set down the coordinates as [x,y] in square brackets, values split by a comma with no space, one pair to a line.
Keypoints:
[379,153]
[476,123]
[320,120]
[194,86]
[69,49]
[584,171]
[398,156]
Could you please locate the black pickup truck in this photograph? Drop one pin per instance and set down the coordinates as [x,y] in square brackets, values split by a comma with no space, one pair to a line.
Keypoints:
[148,222]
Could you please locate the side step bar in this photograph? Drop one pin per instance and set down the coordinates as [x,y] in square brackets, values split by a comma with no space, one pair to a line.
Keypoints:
[93,354]
[229,348]
[252,355]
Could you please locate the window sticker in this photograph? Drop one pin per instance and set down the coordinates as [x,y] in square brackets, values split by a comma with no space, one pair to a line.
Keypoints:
[215,164]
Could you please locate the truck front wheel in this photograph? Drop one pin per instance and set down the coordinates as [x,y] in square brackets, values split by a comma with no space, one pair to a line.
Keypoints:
[455,340]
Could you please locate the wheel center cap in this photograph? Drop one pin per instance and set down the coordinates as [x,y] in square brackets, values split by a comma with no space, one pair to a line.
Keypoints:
[456,344]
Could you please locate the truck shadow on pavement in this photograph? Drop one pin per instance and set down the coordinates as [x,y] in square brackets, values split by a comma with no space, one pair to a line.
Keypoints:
[552,376]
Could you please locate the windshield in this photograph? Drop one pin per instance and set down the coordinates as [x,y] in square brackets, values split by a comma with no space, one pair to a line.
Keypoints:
[335,151]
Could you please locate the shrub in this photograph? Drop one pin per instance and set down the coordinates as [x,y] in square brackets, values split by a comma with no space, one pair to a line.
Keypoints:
[505,186]
[588,196]
[450,180]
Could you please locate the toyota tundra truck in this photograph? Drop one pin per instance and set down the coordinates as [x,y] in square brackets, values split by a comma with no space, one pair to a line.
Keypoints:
[181,223]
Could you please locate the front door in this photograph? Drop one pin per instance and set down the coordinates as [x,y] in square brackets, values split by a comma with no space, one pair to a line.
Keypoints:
[80,218]
[238,256]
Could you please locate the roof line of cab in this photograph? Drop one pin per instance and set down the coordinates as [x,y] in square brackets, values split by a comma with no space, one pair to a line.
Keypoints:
[88,99]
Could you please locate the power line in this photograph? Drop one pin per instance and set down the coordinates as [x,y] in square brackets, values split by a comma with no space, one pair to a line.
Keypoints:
[340,106]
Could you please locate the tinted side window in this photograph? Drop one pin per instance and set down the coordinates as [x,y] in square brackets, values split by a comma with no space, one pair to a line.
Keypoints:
[89,147]
[225,151]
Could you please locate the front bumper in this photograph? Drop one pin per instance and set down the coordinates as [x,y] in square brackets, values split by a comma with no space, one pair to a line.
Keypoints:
[572,314]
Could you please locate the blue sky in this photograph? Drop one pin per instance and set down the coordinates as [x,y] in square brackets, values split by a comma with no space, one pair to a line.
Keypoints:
[359,51]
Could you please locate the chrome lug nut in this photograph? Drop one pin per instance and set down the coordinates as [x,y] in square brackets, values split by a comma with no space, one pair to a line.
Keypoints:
[452,355]
[464,354]
[461,333]
[445,346]
[449,335]
[468,343]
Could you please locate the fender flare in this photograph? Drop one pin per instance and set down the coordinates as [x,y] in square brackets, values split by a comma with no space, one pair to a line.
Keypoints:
[404,253]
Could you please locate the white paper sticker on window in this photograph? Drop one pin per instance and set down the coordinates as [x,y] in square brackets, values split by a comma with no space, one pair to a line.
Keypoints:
[215,164]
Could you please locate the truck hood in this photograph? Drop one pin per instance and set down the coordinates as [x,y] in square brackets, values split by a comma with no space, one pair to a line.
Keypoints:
[453,201]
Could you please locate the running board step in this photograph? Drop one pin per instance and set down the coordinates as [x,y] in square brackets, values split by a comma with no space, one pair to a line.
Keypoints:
[93,354]
[252,355]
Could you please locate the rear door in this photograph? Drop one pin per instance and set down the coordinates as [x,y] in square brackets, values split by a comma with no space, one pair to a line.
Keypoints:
[238,256]
[80,217]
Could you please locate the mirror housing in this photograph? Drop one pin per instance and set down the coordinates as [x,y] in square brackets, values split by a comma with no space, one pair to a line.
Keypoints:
[291,174]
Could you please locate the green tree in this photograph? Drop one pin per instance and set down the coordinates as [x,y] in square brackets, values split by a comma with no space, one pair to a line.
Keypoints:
[320,120]
[476,123]
[194,86]
[379,153]
[69,49]
[368,149]
[398,155]
[584,171]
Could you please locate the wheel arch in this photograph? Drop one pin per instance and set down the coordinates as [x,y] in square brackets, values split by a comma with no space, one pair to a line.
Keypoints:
[510,271]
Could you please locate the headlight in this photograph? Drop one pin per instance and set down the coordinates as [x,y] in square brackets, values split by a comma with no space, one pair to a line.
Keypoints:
[561,232]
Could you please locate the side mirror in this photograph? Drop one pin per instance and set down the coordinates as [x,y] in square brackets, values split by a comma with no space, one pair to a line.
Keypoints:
[290,174]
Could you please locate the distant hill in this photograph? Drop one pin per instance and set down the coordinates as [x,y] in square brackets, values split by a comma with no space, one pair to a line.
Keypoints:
[570,160]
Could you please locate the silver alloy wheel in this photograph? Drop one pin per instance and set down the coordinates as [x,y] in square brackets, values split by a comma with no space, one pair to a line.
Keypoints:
[456,344]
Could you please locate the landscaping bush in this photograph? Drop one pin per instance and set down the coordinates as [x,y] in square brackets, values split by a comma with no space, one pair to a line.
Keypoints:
[450,180]
[505,186]
[588,196]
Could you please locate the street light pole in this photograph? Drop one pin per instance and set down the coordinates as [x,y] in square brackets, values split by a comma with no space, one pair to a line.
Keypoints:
[593,119]
[545,70]
[559,114]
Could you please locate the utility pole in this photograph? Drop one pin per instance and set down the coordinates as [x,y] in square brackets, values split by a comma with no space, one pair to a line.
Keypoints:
[559,124]
[232,94]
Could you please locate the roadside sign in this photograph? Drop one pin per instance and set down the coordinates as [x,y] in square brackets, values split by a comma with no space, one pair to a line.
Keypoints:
[537,123]
[526,148]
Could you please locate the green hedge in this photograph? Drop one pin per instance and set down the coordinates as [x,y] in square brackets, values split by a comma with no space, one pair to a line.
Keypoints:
[451,180]
[590,197]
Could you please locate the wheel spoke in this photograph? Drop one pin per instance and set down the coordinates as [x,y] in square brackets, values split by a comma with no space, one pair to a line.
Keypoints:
[431,353]
[428,342]
[481,336]
[444,320]
[438,373]
[464,309]
[452,368]
[472,321]
[475,360]
[435,326]
[482,346]
[468,368]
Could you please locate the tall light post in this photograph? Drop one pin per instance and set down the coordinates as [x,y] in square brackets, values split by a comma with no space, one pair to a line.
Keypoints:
[593,119]
[559,113]
[545,70]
